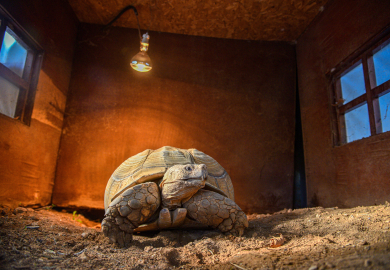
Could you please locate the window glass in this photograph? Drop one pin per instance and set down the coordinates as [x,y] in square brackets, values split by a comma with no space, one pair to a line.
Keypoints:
[382,65]
[12,54]
[8,97]
[384,105]
[20,61]
[357,123]
[352,84]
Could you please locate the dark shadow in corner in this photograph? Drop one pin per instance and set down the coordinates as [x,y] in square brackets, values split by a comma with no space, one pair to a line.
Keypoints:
[299,192]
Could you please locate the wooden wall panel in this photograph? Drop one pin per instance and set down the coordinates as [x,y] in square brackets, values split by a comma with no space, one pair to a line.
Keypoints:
[356,173]
[28,154]
[232,99]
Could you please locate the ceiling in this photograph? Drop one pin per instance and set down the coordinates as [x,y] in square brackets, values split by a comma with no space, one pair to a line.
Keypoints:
[237,19]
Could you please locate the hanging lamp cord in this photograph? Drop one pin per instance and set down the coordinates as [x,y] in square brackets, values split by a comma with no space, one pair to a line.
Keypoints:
[120,14]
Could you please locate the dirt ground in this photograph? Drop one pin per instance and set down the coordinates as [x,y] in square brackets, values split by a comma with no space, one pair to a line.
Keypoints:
[314,238]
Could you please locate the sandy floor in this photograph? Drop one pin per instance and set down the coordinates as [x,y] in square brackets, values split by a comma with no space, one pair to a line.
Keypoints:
[315,238]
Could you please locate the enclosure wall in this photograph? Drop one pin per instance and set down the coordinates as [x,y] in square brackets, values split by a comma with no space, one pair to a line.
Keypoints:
[232,99]
[28,154]
[356,173]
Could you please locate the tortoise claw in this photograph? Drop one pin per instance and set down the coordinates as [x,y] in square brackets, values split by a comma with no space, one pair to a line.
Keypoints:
[178,216]
[171,219]
[164,219]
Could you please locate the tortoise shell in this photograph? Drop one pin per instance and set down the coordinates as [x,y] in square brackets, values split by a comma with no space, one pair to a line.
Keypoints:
[151,165]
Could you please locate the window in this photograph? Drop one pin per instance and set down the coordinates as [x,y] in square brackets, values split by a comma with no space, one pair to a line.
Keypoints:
[20,61]
[361,92]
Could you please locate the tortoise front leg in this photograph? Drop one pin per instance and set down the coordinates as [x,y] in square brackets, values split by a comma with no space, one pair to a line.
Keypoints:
[217,211]
[130,209]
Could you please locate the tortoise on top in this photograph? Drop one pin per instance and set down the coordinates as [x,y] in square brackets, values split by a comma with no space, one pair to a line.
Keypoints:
[167,188]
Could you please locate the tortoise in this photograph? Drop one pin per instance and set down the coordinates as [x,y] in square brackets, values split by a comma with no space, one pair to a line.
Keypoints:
[169,188]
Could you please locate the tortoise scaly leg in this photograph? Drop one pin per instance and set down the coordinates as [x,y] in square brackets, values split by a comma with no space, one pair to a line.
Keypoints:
[130,209]
[217,211]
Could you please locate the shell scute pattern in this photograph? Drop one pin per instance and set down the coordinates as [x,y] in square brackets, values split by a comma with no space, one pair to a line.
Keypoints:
[150,165]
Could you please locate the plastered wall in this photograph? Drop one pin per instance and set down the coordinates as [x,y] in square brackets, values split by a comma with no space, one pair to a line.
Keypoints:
[356,173]
[28,154]
[231,99]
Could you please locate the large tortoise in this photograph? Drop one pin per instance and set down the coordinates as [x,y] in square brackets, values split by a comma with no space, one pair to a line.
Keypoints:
[169,188]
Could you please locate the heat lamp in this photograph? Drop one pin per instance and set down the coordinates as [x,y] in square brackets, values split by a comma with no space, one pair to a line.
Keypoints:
[141,61]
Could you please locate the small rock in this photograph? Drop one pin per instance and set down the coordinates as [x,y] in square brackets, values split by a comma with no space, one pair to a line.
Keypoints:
[85,234]
[19,210]
[276,241]
[83,257]
[313,267]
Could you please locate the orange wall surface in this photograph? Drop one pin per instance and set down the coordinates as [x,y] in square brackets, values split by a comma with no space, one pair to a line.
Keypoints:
[356,173]
[232,99]
[28,154]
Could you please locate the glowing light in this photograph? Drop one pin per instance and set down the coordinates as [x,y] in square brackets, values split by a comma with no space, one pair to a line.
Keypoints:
[140,67]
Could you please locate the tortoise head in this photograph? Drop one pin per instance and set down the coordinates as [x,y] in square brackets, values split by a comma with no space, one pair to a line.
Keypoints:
[188,172]
[180,182]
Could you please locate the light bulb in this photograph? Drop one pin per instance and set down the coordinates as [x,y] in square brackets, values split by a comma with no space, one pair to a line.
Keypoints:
[141,61]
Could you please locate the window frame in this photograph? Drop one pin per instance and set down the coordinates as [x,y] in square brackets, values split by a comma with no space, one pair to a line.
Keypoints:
[28,82]
[363,55]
